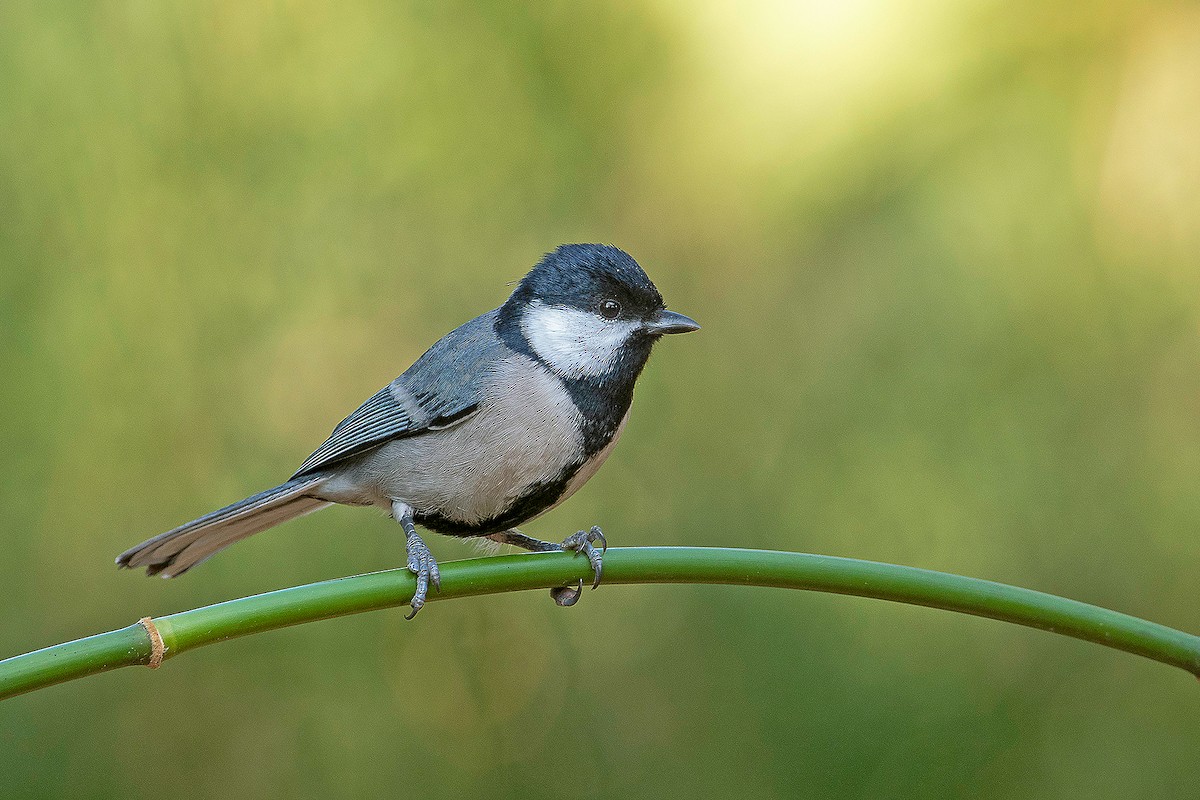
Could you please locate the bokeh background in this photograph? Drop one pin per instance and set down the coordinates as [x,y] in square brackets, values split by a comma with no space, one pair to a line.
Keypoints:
[947,259]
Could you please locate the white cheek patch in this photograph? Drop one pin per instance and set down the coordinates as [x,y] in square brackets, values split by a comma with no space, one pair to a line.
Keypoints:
[578,344]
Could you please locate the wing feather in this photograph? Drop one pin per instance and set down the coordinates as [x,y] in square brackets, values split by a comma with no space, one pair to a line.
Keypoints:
[441,389]
[375,421]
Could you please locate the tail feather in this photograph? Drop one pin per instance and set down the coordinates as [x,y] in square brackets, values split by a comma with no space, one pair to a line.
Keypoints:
[176,551]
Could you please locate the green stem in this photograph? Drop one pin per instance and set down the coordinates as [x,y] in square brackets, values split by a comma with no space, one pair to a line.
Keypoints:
[189,629]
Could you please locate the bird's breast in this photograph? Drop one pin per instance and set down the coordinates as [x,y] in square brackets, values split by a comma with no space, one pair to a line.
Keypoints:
[524,439]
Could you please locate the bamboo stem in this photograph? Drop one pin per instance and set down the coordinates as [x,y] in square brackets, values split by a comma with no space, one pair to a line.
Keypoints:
[184,631]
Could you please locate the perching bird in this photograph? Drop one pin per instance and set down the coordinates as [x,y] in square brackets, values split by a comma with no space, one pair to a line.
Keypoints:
[500,421]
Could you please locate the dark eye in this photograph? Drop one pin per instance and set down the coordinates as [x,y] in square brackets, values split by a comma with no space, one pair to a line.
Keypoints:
[610,309]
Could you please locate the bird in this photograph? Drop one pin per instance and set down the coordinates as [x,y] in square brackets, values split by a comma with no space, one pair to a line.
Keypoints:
[500,421]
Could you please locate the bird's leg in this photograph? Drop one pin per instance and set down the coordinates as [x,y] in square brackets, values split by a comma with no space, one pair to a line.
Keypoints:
[420,560]
[581,542]
[518,539]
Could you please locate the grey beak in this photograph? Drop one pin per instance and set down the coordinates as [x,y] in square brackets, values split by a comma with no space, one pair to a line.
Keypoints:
[671,322]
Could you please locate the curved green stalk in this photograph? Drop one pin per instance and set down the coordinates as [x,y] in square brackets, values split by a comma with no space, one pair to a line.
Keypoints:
[189,629]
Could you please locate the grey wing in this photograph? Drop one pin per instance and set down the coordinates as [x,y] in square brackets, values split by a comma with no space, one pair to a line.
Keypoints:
[440,389]
[377,420]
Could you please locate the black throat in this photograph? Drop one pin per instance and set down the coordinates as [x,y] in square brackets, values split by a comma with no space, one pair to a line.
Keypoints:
[603,400]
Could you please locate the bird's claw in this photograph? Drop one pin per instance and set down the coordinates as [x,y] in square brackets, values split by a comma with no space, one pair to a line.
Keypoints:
[582,542]
[567,595]
[422,564]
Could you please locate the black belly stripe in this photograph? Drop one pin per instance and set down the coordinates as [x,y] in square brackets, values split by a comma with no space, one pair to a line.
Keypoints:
[534,501]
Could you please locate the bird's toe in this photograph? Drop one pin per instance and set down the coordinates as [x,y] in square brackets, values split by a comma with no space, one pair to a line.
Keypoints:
[422,564]
[585,542]
[567,595]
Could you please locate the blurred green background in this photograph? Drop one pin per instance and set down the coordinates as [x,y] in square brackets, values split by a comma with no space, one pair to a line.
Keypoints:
[947,260]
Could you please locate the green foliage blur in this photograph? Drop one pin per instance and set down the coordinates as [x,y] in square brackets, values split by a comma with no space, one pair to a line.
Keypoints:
[947,260]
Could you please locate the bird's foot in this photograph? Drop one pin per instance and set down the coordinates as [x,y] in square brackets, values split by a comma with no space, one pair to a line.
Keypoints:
[582,542]
[421,564]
